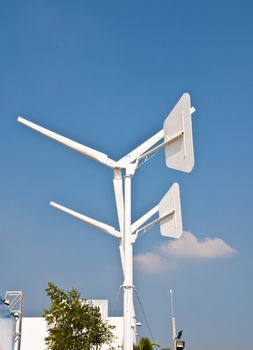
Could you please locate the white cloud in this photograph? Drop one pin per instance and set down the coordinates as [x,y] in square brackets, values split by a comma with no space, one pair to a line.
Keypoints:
[167,256]
[151,262]
[190,247]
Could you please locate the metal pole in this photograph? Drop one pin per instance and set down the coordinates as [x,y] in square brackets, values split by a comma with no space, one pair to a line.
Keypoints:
[16,307]
[173,322]
[171,303]
[128,265]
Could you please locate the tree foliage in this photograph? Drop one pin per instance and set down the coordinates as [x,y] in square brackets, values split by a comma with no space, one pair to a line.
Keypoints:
[145,344]
[74,324]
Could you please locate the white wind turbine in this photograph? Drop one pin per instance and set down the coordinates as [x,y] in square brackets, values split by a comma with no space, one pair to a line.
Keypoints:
[177,141]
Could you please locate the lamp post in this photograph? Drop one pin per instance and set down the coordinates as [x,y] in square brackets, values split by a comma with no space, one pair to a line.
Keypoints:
[177,343]
[173,321]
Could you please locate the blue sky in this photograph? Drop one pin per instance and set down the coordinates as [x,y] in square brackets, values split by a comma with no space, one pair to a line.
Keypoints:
[106,74]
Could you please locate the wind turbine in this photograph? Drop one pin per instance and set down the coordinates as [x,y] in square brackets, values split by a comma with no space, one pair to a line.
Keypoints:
[177,141]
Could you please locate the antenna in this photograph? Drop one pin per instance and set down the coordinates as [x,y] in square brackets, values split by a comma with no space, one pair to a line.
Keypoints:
[177,136]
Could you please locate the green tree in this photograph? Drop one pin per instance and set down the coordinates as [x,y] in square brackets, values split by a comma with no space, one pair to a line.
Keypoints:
[145,344]
[74,324]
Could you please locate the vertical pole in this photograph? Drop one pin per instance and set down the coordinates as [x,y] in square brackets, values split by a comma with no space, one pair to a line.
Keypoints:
[128,265]
[173,322]
[174,333]
[16,307]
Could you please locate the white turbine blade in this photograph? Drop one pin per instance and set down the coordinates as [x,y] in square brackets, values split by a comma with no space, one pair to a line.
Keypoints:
[137,152]
[144,218]
[179,151]
[87,151]
[170,216]
[118,191]
[106,228]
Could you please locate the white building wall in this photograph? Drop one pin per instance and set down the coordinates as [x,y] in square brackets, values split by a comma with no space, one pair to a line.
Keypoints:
[103,306]
[118,332]
[34,329]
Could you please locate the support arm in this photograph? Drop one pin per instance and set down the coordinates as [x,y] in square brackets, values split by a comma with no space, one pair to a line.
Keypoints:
[106,228]
[87,151]
[137,152]
[144,218]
